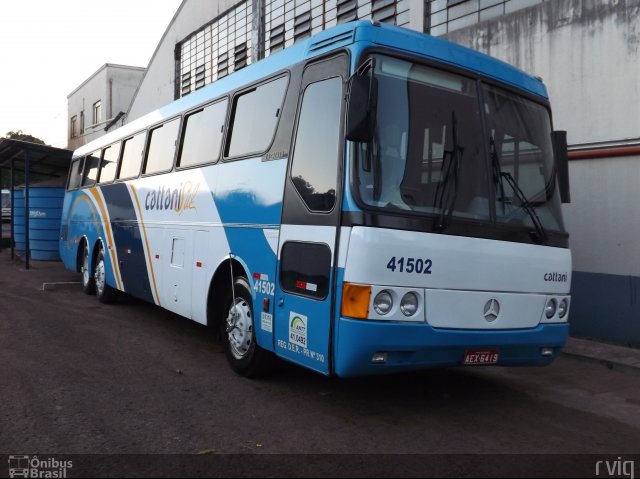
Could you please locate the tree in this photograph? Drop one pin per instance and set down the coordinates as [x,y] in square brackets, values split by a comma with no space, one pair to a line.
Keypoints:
[19,175]
[19,135]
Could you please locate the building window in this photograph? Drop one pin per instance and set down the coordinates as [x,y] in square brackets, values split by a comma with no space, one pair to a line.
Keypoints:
[97,112]
[347,11]
[276,38]
[447,16]
[223,65]
[82,122]
[383,10]
[218,49]
[73,127]
[302,26]
[240,56]
[288,21]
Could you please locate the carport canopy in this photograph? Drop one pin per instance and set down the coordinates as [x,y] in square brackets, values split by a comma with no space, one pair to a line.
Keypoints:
[34,161]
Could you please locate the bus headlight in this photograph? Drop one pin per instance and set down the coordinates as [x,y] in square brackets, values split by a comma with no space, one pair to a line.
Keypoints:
[550,308]
[409,304]
[383,302]
[563,307]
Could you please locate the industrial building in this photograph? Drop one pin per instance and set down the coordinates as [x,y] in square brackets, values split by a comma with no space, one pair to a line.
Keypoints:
[100,102]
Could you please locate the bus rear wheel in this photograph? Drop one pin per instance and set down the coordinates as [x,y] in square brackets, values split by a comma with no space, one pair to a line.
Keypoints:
[238,333]
[105,293]
[88,279]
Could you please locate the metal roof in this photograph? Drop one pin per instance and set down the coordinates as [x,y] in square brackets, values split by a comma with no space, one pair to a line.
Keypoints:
[45,161]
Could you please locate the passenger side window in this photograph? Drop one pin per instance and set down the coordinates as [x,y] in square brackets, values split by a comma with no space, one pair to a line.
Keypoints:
[132,156]
[75,174]
[109,163]
[92,163]
[254,118]
[203,135]
[162,147]
[314,171]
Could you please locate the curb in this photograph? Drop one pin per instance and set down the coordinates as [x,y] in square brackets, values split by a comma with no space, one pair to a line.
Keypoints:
[613,357]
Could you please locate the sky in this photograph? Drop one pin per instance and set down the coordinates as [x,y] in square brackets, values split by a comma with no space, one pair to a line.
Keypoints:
[49,47]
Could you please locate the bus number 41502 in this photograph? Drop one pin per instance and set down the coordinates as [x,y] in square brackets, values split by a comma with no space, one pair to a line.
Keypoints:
[410,265]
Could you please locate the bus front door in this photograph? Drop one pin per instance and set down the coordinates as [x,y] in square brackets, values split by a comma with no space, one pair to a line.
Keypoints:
[304,300]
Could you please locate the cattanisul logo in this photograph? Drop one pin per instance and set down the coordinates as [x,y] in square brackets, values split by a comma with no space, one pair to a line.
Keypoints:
[177,199]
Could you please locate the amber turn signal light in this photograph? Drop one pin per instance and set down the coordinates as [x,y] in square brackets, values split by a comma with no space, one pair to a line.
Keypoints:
[355,300]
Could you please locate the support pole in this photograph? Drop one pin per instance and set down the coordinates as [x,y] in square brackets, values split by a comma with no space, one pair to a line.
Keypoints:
[27,247]
[13,178]
[1,220]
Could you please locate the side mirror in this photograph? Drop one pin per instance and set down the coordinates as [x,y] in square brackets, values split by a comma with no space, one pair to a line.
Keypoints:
[361,108]
[562,164]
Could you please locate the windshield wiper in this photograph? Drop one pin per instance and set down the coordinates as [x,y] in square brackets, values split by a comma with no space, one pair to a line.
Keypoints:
[541,234]
[447,199]
[498,174]
[496,169]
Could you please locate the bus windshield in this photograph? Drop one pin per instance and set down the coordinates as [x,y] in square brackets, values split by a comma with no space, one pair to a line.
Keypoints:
[429,151]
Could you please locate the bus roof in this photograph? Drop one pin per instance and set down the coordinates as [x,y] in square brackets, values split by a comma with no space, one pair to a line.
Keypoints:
[354,35]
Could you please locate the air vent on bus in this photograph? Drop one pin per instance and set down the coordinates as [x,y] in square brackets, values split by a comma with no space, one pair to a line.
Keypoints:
[344,37]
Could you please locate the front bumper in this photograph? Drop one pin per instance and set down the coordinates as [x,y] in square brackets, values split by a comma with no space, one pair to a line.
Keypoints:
[420,346]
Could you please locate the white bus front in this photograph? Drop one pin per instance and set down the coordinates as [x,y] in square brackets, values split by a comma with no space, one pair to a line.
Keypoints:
[453,250]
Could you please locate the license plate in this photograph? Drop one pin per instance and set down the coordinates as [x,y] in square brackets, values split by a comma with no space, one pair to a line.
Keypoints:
[481,356]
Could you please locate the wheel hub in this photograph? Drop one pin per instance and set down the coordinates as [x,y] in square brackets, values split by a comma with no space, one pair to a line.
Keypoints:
[240,328]
[85,268]
[99,276]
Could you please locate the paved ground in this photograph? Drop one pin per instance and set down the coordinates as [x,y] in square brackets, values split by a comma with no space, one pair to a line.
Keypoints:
[78,377]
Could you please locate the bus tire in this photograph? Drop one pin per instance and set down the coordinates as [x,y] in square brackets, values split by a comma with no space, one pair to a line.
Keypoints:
[105,293]
[244,355]
[88,279]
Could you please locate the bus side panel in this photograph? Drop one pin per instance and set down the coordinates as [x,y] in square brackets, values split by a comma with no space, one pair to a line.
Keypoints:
[249,200]
[83,217]
[128,240]
[68,253]
[182,239]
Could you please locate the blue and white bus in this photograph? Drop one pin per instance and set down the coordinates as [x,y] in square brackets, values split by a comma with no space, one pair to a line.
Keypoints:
[369,200]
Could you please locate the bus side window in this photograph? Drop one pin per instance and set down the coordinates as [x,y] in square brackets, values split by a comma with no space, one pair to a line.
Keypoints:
[162,147]
[75,174]
[132,156]
[92,163]
[109,163]
[202,135]
[254,118]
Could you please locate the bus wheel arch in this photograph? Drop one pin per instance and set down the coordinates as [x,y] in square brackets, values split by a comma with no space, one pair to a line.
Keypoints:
[218,288]
[235,322]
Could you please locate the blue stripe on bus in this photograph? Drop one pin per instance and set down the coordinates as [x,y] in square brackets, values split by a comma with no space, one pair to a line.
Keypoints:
[128,241]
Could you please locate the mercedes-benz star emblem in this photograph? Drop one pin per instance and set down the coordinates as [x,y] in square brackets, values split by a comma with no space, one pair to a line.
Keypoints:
[491,310]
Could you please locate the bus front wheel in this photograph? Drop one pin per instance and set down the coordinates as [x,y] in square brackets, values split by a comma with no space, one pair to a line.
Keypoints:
[238,332]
